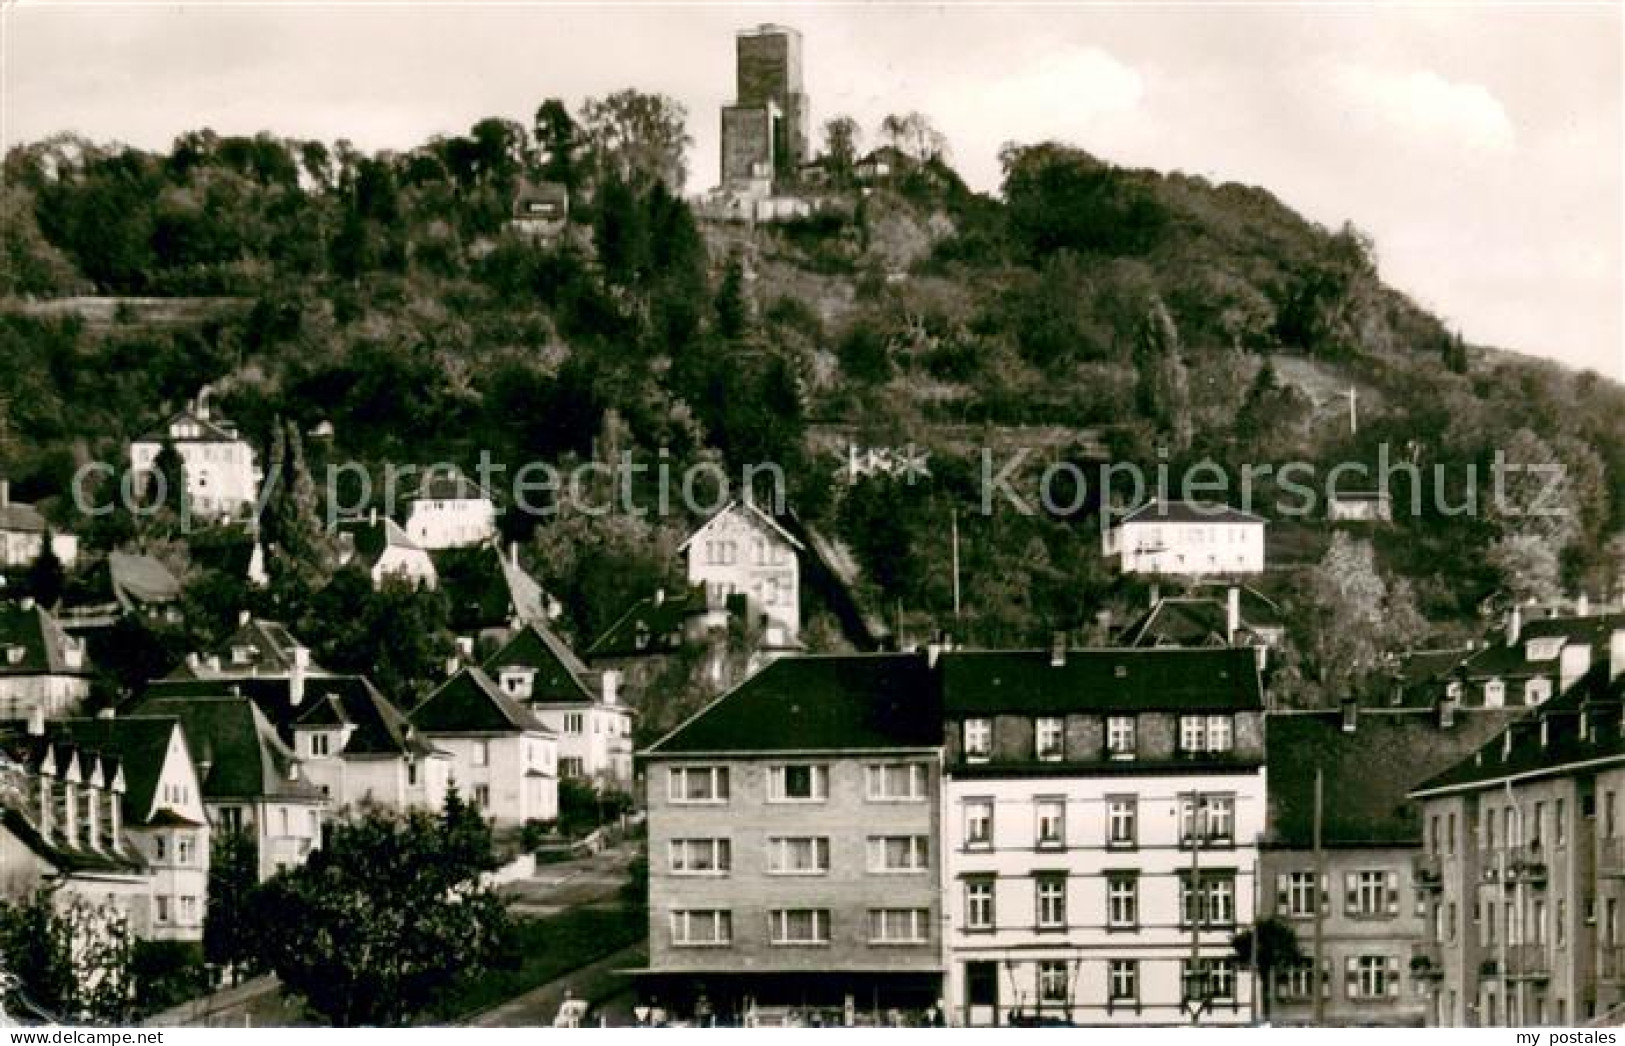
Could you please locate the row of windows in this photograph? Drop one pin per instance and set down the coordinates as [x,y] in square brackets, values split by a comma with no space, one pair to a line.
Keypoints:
[1367,893]
[714,927]
[184,910]
[800,855]
[1198,735]
[724,552]
[1058,980]
[1207,897]
[184,848]
[1364,977]
[798,783]
[1212,820]
[1516,825]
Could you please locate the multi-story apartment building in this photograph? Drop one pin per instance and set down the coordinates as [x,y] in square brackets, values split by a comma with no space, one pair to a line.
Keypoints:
[1528,840]
[793,858]
[1368,893]
[1100,823]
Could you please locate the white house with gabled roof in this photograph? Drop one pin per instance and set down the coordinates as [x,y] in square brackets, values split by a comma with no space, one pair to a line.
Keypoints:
[450,511]
[222,478]
[743,551]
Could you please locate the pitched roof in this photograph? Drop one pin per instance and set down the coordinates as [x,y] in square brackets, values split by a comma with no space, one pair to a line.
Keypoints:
[141,744]
[752,511]
[259,647]
[46,648]
[538,192]
[140,579]
[1518,751]
[818,703]
[209,429]
[1100,680]
[560,676]
[1365,774]
[652,625]
[471,703]
[485,588]
[24,757]
[236,749]
[380,727]
[371,537]
[441,485]
[21,516]
[1198,620]
[1155,511]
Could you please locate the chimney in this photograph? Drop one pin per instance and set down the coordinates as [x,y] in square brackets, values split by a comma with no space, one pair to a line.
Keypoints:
[243,618]
[1573,662]
[1447,709]
[193,661]
[106,713]
[36,721]
[1506,744]
[660,596]
[5,492]
[1057,650]
[451,667]
[26,603]
[1514,624]
[1156,593]
[1232,614]
[1350,707]
[1616,654]
[296,677]
[513,553]
[1545,733]
[609,684]
[372,516]
[1582,605]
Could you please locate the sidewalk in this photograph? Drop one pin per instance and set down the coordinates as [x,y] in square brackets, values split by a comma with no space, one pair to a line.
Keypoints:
[594,982]
[255,1003]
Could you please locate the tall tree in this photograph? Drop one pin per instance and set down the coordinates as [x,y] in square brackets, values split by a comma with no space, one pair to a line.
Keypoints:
[841,146]
[46,575]
[640,138]
[1164,383]
[915,136]
[556,140]
[385,917]
[621,232]
[72,959]
[299,549]
[234,872]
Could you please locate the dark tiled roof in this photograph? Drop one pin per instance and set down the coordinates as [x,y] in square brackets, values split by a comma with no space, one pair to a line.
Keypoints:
[1594,629]
[1199,620]
[819,703]
[267,649]
[485,589]
[560,675]
[1595,695]
[380,727]
[139,579]
[652,625]
[1024,681]
[236,749]
[141,744]
[471,703]
[1366,774]
[1189,512]
[441,485]
[210,430]
[45,646]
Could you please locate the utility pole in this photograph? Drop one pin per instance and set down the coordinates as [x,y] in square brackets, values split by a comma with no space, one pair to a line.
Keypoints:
[1321,890]
[956,564]
[1354,411]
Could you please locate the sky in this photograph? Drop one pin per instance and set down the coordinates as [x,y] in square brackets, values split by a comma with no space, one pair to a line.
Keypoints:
[1479,145]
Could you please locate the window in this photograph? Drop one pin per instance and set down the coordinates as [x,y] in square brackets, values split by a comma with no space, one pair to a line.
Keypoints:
[897,782]
[575,722]
[798,855]
[1295,981]
[1051,823]
[698,784]
[799,925]
[183,851]
[161,909]
[1205,733]
[318,744]
[572,766]
[188,909]
[1372,976]
[231,818]
[899,853]
[978,738]
[1049,738]
[482,753]
[1371,893]
[798,783]
[1495,694]
[1295,894]
[979,913]
[482,796]
[1121,814]
[1051,896]
[699,927]
[1213,901]
[1120,742]
[700,856]
[1220,978]
[160,847]
[899,925]
[1560,824]
[979,823]
[1053,981]
[1214,820]
[1122,900]
[1123,981]
[411,775]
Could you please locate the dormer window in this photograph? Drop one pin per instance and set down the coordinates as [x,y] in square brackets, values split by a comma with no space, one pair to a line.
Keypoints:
[978,738]
[14,654]
[319,744]
[1495,694]
[1536,691]
[1120,737]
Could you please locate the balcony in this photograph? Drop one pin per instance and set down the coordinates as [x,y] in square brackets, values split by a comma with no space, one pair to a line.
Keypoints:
[1528,962]
[1611,858]
[1427,871]
[1526,865]
[1427,960]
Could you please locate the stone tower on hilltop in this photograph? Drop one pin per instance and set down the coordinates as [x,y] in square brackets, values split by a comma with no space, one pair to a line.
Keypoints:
[764,133]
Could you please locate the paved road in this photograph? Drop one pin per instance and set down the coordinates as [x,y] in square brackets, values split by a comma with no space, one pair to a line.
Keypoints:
[600,983]
[572,884]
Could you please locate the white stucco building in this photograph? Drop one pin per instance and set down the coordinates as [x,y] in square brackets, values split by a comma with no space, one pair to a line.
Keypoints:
[503,759]
[1187,539]
[222,478]
[450,511]
[742,551]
